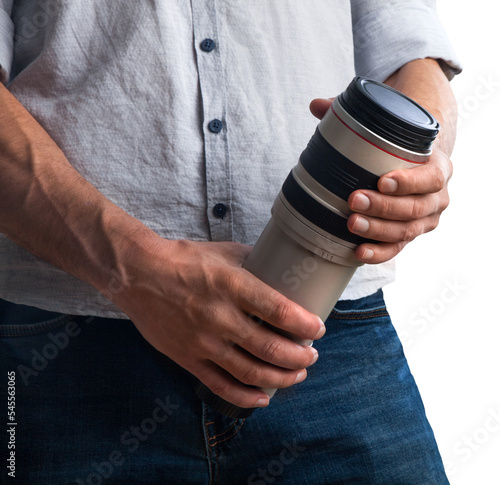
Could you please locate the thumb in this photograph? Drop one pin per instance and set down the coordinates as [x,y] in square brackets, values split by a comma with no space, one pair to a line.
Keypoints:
[319,106]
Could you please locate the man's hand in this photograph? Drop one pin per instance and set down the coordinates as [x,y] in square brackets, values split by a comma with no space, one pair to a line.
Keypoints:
[192,301]
[409,202]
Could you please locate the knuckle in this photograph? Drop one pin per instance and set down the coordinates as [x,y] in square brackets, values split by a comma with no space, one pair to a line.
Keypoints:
[272,349]
[287,381]
[411,231]
[222,389]
[281,311]
[445,202]
[231,280]
[433,223]
[417,209]
[440,179]
[386,204]
[252,376]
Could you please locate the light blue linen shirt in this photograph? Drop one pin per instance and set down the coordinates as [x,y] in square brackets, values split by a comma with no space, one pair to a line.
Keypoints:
[129,91]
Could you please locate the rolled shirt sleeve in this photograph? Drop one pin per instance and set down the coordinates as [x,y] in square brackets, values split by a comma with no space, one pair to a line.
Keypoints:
[6,40]
[389,34]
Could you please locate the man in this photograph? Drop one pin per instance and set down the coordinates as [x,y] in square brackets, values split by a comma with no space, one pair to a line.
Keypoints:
[142,146]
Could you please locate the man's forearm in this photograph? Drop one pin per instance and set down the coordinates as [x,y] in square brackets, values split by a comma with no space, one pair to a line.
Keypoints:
[423,80]
[53,212]
[190,300]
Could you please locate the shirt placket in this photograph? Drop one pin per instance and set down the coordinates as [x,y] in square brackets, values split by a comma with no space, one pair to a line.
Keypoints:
[215,129]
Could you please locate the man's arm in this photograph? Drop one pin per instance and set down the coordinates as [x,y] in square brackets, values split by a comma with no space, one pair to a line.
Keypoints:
[409,202]
[190,300]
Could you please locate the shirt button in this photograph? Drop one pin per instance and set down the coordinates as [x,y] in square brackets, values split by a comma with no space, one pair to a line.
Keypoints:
[215,126]
[219,210]
[208,45]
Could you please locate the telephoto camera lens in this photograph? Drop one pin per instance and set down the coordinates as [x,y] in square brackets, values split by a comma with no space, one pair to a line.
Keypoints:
[369,130]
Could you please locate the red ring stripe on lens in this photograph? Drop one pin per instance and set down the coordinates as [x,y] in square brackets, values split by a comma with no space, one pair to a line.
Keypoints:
[371,143]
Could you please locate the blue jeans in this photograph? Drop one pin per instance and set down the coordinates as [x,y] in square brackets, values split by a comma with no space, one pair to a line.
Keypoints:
[95,403]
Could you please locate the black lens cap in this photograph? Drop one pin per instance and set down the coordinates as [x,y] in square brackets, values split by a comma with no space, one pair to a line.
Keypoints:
[390,114]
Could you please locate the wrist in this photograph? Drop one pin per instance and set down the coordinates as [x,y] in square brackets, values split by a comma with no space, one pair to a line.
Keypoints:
[134,249]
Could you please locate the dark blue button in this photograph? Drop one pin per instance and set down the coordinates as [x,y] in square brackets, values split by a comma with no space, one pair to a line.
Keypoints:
[219,210]
[215,126]
[208,45]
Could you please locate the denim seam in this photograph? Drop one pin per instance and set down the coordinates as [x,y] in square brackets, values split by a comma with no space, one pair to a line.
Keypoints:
[226,431]
[364,315]
[217,478]
[33,328]
[381,307]
[205,428]
[227,437]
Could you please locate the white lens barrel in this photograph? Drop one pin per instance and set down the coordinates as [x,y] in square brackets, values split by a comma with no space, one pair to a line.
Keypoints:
[306,251]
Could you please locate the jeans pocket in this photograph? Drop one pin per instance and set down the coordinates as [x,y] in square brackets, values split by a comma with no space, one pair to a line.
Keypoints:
[24,321]
[30,338]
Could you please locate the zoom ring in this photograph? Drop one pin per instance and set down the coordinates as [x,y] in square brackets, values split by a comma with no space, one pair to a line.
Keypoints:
[316,213]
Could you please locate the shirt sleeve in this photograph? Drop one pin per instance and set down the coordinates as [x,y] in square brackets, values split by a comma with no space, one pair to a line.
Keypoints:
[6,40]
[389,34]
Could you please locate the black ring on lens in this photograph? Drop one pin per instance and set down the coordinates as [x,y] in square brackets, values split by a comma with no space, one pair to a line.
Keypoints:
[316,213]
[334,171]
[390,114]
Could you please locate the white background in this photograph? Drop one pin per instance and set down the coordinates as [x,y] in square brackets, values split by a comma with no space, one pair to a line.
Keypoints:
[445,301]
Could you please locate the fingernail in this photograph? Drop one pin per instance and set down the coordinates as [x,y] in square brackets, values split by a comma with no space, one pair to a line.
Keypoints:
[388,185]
[368,254]
[321,331]
[262,402]
[300,376]
[360,202]
[315,358]
[361,225]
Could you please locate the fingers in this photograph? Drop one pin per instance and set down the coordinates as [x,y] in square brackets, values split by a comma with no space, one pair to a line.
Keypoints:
[378,253]
[254,372]
[409,203]
[406,219]
[270,347]
[430,177]
[233,370]
[227,387]
[407,208]
[260,300]
[391,231]
[320,106]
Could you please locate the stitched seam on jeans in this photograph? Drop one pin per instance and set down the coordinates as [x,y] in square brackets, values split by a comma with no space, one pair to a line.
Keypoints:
[33,328]
[217,480]
[209,458]
[228,437]
[381,312]
[381,307]
[227,430]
